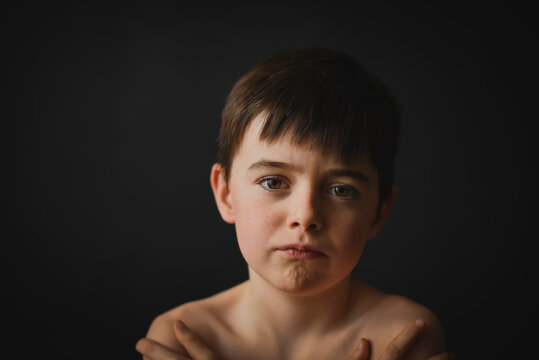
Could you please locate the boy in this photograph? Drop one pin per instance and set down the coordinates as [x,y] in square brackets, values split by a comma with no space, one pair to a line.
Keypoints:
[305,172]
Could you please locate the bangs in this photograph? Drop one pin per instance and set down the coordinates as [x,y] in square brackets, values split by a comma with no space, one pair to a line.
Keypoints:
[331,111]
[331,128]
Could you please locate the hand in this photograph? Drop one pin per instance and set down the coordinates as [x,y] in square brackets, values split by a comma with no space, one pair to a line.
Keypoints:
[398,347]
[195,348]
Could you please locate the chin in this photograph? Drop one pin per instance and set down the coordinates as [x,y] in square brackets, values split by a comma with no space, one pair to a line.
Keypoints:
[300,280]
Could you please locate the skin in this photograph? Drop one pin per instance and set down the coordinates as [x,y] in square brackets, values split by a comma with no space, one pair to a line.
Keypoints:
[302,220]
[195,348]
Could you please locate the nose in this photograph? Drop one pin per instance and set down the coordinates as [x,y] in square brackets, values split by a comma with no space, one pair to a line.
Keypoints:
[305,211]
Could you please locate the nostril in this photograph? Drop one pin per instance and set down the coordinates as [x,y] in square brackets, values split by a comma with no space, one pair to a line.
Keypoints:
[313,226]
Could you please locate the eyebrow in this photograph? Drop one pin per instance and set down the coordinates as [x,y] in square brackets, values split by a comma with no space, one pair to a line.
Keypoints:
[356,174]
[268,164]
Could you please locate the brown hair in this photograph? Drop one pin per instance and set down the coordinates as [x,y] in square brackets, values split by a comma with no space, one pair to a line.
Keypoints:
[319,97]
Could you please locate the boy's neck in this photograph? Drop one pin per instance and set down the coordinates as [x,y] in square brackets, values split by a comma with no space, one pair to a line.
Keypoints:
[289,315]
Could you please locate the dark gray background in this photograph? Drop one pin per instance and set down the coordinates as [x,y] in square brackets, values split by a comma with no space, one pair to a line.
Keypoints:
[110,118]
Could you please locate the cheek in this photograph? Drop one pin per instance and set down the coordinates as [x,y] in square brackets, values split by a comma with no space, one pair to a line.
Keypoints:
[256,223]
[353,232]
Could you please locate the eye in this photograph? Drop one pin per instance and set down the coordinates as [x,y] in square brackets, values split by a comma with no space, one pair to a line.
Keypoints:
[272,183]
[343,191]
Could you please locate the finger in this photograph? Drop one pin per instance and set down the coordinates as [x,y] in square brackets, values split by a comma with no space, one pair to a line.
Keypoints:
[442,356]
[193,343]
[361,352]
[155,351]
[400,345]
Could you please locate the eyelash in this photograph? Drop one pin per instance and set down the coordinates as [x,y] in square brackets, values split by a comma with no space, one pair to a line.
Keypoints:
[263,182]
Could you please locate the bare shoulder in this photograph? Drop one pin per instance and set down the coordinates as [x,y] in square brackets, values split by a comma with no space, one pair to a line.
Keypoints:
[396,312]
[203,316]
[161,328]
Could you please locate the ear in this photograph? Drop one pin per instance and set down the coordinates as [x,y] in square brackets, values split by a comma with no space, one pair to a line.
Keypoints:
[221,193]
[383,212]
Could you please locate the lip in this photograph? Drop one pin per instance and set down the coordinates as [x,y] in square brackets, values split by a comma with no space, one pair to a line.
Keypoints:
[300,251]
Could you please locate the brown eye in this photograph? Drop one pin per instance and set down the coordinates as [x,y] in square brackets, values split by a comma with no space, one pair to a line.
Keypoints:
[272,183]
[343,191]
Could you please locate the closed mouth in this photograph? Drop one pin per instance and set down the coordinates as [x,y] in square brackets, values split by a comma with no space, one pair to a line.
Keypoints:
[301,251]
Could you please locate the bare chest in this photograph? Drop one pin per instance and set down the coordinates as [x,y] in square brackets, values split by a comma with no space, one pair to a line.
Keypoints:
[330,346]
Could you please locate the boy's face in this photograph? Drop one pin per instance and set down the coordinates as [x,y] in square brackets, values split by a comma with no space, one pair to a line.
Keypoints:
[302,218]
